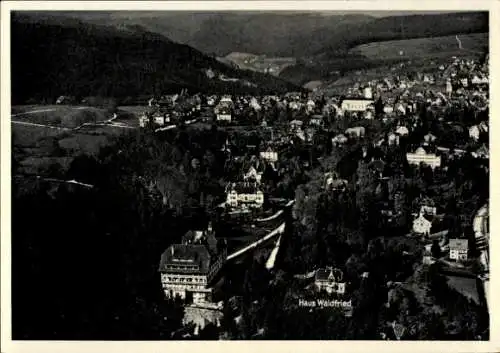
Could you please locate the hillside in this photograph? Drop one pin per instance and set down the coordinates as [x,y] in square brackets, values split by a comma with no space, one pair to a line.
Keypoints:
[81,59]
[220,33]
[424,47]
[405,27]
[290,34]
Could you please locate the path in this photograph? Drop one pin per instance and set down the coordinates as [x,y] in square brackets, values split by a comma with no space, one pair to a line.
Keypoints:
[40,125]
[278,230]
[272,258]
[35,111]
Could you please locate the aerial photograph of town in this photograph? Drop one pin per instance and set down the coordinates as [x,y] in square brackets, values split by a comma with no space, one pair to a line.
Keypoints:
[239,175]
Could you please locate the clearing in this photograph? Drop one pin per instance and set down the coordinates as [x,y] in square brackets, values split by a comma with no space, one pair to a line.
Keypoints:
[425,47]
[59,116]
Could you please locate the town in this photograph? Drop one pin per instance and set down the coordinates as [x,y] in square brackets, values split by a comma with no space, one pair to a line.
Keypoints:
[402,140]
[352,212]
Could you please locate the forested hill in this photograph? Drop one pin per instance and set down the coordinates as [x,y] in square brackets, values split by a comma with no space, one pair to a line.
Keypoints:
[405,27]
[52,57]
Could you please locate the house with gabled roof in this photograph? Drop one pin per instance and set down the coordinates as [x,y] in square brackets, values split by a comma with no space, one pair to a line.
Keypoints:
[330,280]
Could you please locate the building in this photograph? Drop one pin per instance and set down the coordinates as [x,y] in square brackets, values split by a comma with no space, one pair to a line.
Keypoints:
[316,120]
[187,269]
[329,280]
[358,131]
[428,210]
[420,156]
[356,104]
[402,131]
[254,173]
[244,194]
[474,132]
[393,139]
[429,138]
[339,140]
[459,249]
[269,155]
[367,93]
[224,109]
[422,225]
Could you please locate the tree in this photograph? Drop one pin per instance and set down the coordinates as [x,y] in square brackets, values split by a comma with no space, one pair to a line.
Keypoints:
[436,249]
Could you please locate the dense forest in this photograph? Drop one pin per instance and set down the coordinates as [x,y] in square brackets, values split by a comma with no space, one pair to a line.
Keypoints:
[52,58]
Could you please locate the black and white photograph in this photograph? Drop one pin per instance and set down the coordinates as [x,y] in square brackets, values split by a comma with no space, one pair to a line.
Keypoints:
[235,175]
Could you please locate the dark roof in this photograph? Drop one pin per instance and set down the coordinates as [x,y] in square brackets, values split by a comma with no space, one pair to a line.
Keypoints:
[323,274]
[186,254]
[357,99]
[377,164]
[245,188]
[459,244]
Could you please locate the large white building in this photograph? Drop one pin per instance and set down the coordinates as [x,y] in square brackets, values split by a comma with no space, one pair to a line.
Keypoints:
[422,225]
[356,104]
[420,156]
[188,268]
[269,154]
[244,194]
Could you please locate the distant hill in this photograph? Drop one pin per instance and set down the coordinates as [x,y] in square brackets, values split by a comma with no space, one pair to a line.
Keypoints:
[404,27]
[299,34]
[424,47]
[278,34]
[52,56]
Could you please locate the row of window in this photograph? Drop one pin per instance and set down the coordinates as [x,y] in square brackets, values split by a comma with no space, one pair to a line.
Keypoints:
[182,267]
[182,279]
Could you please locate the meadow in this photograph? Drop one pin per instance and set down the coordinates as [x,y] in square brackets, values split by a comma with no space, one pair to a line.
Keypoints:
[433,47]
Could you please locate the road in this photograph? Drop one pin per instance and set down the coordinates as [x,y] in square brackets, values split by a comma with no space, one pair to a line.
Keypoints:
[40,125]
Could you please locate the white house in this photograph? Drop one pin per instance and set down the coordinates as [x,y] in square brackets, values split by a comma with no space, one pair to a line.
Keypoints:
[367,93]
[420,156]
[358,131]
[224,116]
[143,120]
[459,249]
[474,132]
[310,105]
[246,195]
[339,140]
[253,174]
[428,210]
[422,225]
[388,109]
[429,138]
[330,280]
[316,120]
[269,154]
[356,105]
[402,131]
[393,139]
[368,114]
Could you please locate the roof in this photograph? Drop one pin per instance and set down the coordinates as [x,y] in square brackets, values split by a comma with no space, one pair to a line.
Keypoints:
[185,254]
[244,188]
[459,244]
[324,274]
[378,165]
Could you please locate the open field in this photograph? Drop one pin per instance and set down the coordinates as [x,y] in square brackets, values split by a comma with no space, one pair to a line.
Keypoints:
[424,47]
[465,286]
[38,147]
[63,116]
